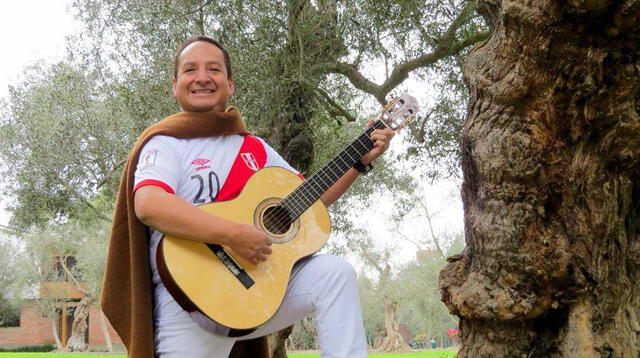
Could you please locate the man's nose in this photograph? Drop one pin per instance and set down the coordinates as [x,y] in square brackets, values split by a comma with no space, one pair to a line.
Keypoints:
[202,76]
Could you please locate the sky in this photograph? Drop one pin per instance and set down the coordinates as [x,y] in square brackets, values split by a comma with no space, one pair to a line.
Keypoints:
[30,30]
[35,30]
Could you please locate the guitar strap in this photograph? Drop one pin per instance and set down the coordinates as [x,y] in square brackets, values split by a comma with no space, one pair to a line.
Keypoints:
[251,157]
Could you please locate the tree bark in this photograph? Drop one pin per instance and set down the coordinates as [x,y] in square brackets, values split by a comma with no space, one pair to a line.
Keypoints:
[551,186]
[56,335]
[277,342]
[311,36]
[392,341]
[79,327]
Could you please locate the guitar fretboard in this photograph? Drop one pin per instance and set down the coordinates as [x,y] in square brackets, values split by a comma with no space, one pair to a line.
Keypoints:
[317,184]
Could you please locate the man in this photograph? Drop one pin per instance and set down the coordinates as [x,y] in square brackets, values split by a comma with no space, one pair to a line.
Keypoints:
[172,174]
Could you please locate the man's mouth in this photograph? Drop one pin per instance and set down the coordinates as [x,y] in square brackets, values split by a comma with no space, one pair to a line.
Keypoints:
[202,91]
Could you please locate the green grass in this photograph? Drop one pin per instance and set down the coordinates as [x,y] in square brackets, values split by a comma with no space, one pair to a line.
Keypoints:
[436,354]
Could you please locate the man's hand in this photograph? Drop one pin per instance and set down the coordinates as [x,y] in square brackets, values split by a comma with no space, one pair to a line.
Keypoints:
[251,243]
[173,216]
[381,139]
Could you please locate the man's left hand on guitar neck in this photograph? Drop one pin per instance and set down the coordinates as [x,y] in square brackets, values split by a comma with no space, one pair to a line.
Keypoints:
[381,139]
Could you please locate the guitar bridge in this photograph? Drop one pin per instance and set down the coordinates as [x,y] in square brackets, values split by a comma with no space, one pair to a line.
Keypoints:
[232,265]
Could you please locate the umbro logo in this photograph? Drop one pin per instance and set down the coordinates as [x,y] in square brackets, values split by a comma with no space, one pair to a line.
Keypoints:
[201,163]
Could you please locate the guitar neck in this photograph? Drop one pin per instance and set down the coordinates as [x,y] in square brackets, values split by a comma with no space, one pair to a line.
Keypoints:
[317,184]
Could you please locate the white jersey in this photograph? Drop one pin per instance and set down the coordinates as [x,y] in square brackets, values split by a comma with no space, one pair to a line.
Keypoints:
[195,170]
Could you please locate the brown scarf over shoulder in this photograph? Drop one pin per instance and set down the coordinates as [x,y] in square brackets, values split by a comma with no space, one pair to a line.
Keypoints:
[127,298]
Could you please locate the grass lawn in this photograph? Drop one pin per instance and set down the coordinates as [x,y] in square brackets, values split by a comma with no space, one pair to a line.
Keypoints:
[426,354]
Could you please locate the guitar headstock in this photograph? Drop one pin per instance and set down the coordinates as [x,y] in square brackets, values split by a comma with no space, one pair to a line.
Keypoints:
[399,112]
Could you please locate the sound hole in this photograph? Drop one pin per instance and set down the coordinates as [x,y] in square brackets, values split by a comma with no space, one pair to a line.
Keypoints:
[276,220]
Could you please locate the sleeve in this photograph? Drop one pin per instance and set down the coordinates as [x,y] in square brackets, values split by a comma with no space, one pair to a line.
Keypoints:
[275,160]
[159,164]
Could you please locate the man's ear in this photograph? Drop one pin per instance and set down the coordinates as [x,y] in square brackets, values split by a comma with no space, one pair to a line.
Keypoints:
[173,87]
[232,86]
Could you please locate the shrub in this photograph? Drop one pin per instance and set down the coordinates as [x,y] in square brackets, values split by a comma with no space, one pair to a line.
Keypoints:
[41,348]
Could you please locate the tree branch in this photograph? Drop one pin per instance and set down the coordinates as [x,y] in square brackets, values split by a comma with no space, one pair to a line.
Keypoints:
[95,210]
[10,230]
[199,9]
[419,133]
[118,165]
[446,46]
[327,97]
[62,259]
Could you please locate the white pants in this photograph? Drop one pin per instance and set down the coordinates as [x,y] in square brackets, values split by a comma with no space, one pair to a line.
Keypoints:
[324,285]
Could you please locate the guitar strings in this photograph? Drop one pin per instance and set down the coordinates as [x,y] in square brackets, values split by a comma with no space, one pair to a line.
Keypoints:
[303,196]
[307,198]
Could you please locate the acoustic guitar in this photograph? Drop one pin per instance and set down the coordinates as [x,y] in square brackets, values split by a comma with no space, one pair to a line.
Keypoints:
[239,294]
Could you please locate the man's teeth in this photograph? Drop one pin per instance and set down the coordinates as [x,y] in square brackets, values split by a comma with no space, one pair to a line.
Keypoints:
[203,91]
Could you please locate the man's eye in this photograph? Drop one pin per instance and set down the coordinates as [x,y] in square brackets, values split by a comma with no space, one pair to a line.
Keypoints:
[189,70]
[214,69]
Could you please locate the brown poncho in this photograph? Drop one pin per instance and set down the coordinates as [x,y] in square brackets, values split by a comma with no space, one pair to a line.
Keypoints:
[127,297]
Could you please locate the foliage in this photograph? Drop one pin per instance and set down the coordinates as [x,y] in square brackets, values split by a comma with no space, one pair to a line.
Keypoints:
[329,47]
[422,310]
[38,348]
[307,82]
[62,144]
[10,300]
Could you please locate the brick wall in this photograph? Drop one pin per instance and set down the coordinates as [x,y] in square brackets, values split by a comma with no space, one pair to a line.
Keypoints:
[96,336]
[34,330]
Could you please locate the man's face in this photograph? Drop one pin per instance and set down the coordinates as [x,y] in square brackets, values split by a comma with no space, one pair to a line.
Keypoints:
[201,83]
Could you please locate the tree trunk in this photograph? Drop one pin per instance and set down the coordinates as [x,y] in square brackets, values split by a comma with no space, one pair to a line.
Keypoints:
[392,341]
[277,341]
[79,327]
[311,36]
[551,185]
[56,335]
[380,337]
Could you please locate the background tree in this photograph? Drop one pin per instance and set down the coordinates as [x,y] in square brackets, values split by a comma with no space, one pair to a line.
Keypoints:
[387,293]
[72,253]
[10,301]
[551,184]
[302,69]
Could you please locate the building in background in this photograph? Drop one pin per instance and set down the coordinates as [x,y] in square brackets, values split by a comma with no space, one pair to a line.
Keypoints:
[60,297]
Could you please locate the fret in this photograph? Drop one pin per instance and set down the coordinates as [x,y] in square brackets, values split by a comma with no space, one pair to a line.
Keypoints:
[398,113]
[310,191]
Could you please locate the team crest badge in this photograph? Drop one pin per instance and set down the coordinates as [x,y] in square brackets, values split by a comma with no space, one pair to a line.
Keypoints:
[149,159]
[250,161]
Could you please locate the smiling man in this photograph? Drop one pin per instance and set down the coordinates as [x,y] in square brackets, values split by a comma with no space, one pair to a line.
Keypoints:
[190,159]
[202,78]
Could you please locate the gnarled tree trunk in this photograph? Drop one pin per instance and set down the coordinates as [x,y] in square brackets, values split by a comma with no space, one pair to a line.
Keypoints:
[392,340]
[551,185]
[79,327]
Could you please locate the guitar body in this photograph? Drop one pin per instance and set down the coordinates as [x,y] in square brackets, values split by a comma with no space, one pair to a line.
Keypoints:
[209,284]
